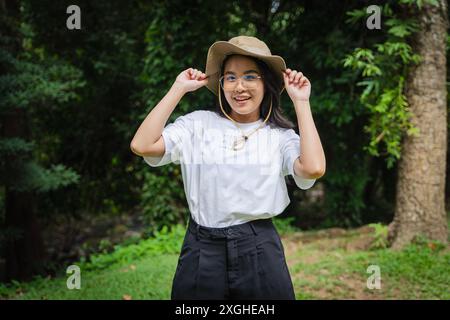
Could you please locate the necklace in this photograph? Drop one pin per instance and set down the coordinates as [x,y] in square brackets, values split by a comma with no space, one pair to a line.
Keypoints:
[239,142]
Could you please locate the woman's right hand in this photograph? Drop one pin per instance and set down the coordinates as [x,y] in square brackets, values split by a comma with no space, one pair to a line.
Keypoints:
[191,80]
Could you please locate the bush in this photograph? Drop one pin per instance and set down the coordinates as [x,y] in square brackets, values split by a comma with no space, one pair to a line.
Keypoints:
[165,241]
[284,225]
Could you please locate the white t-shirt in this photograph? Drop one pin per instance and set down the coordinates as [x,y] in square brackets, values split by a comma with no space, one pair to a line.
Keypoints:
[225,187]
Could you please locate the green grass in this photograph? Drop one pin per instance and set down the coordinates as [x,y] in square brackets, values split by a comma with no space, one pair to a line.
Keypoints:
[148,278]
[323,268]
[142,271]
[417,272]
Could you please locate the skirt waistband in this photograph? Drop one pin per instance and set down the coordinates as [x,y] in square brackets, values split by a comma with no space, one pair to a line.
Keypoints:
[251,227]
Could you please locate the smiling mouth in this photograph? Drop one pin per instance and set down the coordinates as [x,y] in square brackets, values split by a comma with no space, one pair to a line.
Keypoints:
[241,100]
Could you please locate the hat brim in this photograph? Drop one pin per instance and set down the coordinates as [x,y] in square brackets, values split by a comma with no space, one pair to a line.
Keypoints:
[218,52]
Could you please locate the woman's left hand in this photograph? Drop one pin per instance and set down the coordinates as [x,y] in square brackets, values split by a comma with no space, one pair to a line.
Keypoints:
[297,85]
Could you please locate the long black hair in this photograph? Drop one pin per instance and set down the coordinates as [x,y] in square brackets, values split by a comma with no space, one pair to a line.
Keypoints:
[272,87]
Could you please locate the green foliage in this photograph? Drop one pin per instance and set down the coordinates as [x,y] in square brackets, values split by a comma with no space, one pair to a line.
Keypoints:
[337,109]
[284,225]
[162,197]
[419,3]
[380,236]
[33,80]
[347,205]
[422,240]
[32,177]
[15,146]
[165,241]
[39,83]
[30,80]
[383,69]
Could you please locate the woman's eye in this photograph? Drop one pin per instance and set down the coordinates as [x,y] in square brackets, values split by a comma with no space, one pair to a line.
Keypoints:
[250,77]
[230,78]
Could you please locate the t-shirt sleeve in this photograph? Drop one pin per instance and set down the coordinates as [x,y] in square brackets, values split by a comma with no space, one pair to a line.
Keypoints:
[290,150]
[176,135]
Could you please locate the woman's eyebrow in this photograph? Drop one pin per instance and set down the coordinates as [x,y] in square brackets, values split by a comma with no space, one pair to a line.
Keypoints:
[245,72]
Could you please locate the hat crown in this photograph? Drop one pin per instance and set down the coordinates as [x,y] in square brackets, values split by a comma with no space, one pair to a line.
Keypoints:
[251,44]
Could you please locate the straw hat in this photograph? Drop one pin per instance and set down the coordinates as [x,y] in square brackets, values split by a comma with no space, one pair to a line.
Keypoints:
[244,45]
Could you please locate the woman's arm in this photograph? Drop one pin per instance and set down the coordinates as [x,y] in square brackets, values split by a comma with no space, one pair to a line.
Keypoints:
[148,139]
[311,164]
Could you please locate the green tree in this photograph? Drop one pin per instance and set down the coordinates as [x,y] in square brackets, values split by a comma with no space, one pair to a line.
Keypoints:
[29,80]
[408,117]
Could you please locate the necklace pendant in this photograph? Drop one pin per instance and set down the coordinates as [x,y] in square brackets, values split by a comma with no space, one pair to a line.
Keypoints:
[239,143]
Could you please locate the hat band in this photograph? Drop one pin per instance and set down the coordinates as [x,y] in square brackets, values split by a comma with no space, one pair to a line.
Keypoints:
[255,50]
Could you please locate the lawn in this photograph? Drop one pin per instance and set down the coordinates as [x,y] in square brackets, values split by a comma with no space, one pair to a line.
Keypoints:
[325,264]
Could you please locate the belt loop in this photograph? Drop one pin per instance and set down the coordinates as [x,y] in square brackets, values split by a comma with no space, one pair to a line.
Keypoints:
[198,232]
[253,228]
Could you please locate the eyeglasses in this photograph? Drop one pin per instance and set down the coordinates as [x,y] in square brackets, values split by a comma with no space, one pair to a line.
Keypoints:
[229,82]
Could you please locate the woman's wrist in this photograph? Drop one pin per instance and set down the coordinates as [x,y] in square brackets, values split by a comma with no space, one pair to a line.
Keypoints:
[178,88]
[301,102]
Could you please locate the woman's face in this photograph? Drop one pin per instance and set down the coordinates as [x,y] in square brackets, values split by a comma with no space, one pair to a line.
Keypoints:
[246,111]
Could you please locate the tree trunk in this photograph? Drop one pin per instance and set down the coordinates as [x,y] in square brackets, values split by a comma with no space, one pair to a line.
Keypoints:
[24,249]
[420,201]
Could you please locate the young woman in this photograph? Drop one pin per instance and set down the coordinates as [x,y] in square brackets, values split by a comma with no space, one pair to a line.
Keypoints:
[234,161]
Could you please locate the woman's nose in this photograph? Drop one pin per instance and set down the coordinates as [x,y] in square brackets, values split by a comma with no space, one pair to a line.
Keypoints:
[239,87]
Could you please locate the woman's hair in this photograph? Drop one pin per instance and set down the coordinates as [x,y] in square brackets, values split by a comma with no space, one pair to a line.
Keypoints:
[272,87]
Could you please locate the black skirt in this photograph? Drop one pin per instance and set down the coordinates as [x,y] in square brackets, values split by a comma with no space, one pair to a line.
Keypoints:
[244,261]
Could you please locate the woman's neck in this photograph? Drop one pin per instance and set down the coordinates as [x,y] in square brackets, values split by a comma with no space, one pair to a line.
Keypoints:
[245,118]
